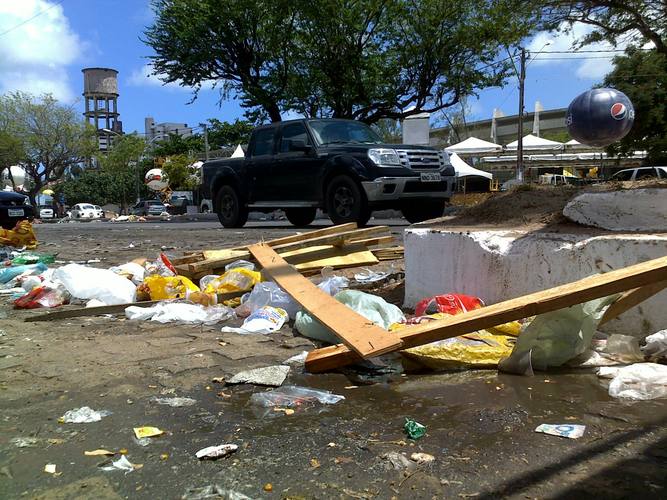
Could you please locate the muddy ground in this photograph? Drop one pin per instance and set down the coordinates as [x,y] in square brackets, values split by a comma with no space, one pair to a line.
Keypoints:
[480,425]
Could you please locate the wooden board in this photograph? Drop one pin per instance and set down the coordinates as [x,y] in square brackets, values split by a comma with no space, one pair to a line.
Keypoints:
[630,299]
[316,258]
[592,287]
[359,334]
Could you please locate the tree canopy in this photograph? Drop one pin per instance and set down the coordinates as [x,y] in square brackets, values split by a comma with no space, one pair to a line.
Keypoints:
[366,60]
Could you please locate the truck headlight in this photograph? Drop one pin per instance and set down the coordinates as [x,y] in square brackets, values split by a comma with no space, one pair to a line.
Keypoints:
[384,157]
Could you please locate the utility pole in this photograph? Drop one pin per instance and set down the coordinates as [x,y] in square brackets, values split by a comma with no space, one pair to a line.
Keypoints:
[206,156]
[519,149]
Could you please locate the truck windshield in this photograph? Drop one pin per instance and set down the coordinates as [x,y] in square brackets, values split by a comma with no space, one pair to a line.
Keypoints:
[343,132]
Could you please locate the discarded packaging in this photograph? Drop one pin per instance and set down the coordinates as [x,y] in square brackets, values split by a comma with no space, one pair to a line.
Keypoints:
[170,312]
[131,270]
[640,381]
[331,285]
[21,236]
[397,460]
[43,296]
[291,395]
[84,415]
[450,303]
[168,287]
[145,432]
[414,429]
[422,458]
[571,431]
[267,294]
[175,402]
[240,264]
[98,453]
[213,452]
[264,320]
[624,348]
[656,345]
[50,468]
[122,464]
[297,359]
[9,273]
[234,280]
[371,307]
[213,491]
[85,282]
[370,276]
[271,376]
[33,258]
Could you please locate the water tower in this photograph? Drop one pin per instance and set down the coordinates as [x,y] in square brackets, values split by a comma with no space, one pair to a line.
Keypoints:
[100,91]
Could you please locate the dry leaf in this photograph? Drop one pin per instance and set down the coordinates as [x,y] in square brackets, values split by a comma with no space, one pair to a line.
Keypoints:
[342,460]
[314,463]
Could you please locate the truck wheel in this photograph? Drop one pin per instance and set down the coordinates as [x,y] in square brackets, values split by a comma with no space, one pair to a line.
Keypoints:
[346,202]
[229,208]
[419,211]
[300,216]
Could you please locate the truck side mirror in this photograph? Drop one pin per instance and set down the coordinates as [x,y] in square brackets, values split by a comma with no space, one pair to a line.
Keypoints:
[299,145]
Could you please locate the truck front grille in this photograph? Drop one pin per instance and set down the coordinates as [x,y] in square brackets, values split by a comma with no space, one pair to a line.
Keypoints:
[421,159]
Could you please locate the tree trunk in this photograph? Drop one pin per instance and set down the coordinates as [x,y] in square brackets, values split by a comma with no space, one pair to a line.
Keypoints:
[274,112]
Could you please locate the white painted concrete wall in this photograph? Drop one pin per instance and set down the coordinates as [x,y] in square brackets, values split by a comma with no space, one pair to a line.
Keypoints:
[500,265]
[629,210]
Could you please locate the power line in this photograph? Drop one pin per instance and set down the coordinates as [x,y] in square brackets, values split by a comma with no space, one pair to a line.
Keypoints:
[31,18]
[585,51]
[571,58]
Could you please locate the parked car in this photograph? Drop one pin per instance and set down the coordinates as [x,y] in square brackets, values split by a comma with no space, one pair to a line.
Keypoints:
[636,174]
[148,207]
[178,206]
[13,208]
[339,166]
[99,211]
[84,211]
[46,212]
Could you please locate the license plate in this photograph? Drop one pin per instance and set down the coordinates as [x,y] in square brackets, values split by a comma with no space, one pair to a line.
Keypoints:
[430,177]
[15,212]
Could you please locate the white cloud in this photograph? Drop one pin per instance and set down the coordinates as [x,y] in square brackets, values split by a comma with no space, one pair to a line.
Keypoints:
[595,67]
[34,56]
[145,77]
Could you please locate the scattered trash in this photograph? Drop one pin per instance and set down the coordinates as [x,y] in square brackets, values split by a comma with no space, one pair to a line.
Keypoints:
[122,464]
[84,415]
[656,345]
[397,460]
[213,491]
[9,273]
[24,442]
[218,380]
[98,453]
[370,276]
[50,468]
[291,395]
[264,320]
[422,458]
[214,452]
[268,487]
[85,282]
[175,402]
[267,294]
[331,285]
[167,287]
[131,270]
[42,296]
[21,236]
[286,411]
[234,280]
[145,432]
[640,381]
[240,264]
[624,348]
[450,303]
[271,375]
[297,359]
[570,431]
[414,429]
[371,307]
[170,312]
[33,258]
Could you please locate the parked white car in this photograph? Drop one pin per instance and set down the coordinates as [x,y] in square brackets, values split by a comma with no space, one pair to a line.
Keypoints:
[99,211]
[84,211]
[640,173]
[46,212]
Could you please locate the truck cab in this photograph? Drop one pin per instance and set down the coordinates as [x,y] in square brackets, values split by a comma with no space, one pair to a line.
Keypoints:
[339,166]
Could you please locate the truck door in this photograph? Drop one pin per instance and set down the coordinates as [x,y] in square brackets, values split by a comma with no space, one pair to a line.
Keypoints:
[296,171]
[259,163]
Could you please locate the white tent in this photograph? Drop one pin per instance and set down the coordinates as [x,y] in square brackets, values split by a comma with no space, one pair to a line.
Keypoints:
[474,145]
[575,144]
[464,170]
[238,152]
[533,143]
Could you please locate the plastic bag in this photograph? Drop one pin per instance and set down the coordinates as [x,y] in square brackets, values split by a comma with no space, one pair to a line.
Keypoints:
[84,415]
[9,273]
[240,264]
[43,297]
[292,395]
[554,338]
[85,282]
[161,266]
[264,320]
[169,312]
[624,348]
[450,303]
[656,345]
[21,236]
[130,270]
[333,284]
[267,294]
[234,280]
[640,381]
[33,258]
[168,287]
[371,307]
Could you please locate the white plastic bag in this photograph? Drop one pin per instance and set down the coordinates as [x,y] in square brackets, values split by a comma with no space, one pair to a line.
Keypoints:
[242,264]
[169,312]
[132,269]
[85,282]
[84,415]
[267,294]
[640,381]
[333,284]
[264,320]
[656,345]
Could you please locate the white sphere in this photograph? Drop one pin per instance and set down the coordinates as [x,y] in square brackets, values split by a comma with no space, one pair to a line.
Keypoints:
[156,180]
[17,172]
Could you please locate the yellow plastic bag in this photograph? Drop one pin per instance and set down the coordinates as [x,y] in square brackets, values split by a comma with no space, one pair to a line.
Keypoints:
[169,287]
[234,280]
[21,236]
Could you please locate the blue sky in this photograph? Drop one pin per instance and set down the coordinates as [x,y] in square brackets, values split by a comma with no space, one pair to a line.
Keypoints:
[47,53]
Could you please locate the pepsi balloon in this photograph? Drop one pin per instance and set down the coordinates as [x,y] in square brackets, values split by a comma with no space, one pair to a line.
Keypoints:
[600,117]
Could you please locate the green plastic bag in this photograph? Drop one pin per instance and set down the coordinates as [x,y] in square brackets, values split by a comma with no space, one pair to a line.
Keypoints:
[414,429]
[33,258]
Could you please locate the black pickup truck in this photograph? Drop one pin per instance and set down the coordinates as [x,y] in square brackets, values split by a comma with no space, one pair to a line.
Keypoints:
[339,166]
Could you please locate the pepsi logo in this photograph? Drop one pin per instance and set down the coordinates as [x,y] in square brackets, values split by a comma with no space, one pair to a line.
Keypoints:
[619,111]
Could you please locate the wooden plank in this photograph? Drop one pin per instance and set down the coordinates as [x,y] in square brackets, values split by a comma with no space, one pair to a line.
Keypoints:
[378,240]
[316,258]
[78,312]
[335,239]
[630,299]
[592,287]
[362,336]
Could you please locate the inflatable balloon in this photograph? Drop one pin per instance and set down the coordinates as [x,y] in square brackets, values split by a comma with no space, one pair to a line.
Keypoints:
[156,180]
[600,117]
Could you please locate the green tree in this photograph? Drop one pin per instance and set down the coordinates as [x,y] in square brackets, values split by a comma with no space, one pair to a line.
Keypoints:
[180,173]
[53,136]
[642,76]
[11,152]
[366,60]
[121,165]
[389,130]
[227,134]
[177,145]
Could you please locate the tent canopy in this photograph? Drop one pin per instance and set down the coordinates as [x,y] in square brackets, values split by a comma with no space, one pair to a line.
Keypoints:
[238,152]
[474,145]
[575,144]
[464,170]
[533,143]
